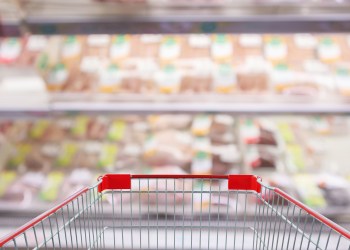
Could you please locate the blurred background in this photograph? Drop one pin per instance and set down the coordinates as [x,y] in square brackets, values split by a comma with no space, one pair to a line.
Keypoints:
[159,86]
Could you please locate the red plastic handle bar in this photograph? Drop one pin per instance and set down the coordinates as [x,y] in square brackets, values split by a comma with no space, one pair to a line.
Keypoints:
[235,182]
[39,218]
[315,214]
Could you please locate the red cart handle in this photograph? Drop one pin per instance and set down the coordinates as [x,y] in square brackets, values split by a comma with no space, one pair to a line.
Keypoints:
[235,182]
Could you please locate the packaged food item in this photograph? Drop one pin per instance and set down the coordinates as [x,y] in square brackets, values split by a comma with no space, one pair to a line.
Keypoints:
[120,48]
[24,190]
[202,163]
[222,48]
[80,82]
[168,79]
[296,155]
[335,189]
[197,75]
[201,125]
[16,131]
[66,154]
[224,78]
[146,45]
[221,130]
[6,178]
[35,44]
[260,158]
[197,46]
[110,78]
[10,50]
[38,129]
[275,48]
[108,156]
[281,181]
[57,77]
[286,132]
[21,152]
[116,130]
[308,190]
[302,47]
[130,158]
[170,48]
[97,128]
[71,50]
[161,122]
[97,46]
[342,79]
[168,147]
[253,75]
[51,188]
[76,180]
[282,77]
[249,131]
[249,44]
[328,50]
[225,158]
[80,127]
[87,155]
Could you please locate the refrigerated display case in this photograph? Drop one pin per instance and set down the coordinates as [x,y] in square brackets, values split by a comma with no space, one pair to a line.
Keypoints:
[203,87]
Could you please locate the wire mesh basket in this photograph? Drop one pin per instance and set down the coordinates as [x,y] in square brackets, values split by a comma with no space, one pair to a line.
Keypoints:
[179,212]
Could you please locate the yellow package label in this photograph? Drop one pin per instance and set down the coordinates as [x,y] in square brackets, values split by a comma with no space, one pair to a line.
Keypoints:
[51,190]
[108,155]
[67,154]
[80,127]
[6,178]
[117,130]
[38,129]
[22,150]
[297,156]
[286,132]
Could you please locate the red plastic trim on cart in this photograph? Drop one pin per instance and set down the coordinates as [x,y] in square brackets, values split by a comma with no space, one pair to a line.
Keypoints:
[39,218]
[315,214]
[235,182]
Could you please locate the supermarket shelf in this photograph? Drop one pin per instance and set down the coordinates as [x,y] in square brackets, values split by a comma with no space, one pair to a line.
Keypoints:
[240,104]
[185,107]
[150,17]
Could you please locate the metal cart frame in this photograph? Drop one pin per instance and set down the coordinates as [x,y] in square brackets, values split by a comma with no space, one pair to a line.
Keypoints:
[125,211]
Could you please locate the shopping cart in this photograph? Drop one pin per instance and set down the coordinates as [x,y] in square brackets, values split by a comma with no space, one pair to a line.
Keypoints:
[179,212]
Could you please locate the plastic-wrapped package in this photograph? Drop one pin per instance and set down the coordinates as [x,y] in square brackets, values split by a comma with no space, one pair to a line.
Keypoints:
[225,158]
[72,49]
[249,44]
[10,50]
[120,48]
[224,78]
[146,45]
[197,77]
[168,79]
[110,78]
[57,77]
[168,147]
[328,50]
[97,128]
[197,46]
[221,130]
[222,48]
[161,122]
[275,48]
[301,47]
[253,75]
[77,179]
[34,45]
[170,48]
[336,189]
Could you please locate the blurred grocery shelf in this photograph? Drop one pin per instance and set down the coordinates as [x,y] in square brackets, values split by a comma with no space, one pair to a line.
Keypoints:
[152,16]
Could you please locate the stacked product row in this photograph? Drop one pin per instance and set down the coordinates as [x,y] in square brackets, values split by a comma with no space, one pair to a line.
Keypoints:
[300,64]
[50,158]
